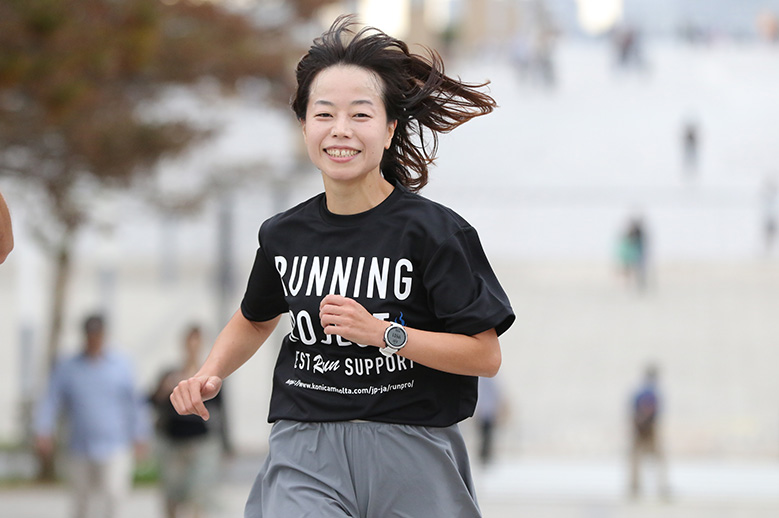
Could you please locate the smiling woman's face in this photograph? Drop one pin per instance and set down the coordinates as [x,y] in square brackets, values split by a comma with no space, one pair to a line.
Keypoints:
[346,128]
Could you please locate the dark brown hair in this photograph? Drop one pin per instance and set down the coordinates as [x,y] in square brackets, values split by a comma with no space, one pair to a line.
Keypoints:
[416,93]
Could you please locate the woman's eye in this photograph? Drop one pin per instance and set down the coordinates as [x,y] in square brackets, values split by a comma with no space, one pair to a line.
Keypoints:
[362,115]
[322,115]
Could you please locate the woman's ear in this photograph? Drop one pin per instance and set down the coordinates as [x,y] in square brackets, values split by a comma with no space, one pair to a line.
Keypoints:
[390,133]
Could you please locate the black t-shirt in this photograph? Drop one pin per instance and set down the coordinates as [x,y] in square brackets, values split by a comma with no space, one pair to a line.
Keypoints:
[408,260]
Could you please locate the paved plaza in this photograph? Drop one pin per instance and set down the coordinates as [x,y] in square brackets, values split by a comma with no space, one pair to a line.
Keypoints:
[511,489]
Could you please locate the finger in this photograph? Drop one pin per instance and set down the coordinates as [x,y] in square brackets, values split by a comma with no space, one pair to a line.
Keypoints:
[211,388]
[182,397]
[331,320]
[330,309]
[333,330]
[330,316]
[196,398]
[177,400]
[333,299]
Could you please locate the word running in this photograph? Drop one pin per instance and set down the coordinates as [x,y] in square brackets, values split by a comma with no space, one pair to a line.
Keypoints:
[347,276]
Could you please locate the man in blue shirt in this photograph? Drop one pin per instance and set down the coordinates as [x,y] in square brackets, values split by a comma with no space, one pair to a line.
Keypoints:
[106,418]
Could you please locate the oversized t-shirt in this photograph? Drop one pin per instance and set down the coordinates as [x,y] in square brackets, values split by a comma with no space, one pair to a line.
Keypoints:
[408,260]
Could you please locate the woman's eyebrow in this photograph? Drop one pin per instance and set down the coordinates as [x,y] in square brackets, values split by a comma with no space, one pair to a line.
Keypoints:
[355,102]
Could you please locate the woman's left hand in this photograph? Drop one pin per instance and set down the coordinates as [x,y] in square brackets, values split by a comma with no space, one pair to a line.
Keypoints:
[348,319]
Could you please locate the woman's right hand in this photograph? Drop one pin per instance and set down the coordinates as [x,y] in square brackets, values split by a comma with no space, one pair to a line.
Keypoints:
[189,395]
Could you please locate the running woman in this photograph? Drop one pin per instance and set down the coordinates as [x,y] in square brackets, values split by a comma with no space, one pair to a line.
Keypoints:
[395,309]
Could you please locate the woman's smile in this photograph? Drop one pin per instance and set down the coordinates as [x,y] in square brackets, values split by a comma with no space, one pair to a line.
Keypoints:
[341,154]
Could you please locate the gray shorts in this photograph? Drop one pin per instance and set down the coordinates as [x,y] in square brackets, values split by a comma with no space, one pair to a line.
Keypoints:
[363,470]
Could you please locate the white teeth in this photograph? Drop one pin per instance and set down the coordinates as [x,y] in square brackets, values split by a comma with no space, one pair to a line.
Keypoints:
[340,153]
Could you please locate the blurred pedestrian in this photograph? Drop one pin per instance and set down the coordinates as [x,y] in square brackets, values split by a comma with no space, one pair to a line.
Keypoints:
[395,307]
[770,214]
[542,66]
[632,252]
[490,413]
[190,448]
[690,145]
[628,45]
[6,231]
[646,441]
[533,48]
[520,55]
[107,423]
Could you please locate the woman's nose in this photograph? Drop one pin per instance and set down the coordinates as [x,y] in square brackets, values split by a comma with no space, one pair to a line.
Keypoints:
[341,127]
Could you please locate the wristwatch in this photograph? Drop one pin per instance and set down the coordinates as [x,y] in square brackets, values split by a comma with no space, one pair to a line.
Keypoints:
[395,338]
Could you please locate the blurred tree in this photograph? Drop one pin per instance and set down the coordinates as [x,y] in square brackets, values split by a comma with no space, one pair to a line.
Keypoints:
[73,75]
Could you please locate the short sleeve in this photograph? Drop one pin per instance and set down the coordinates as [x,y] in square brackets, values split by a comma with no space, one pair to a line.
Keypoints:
[264,297]
[463,290]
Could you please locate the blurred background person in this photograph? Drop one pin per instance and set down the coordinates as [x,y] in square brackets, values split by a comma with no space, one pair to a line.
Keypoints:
[490,412]
[646,441]
[770,211]
[107,422]
[628,47]
[690,145]
[6,231]
[189,447]
[542,65]
[632,253]
[533,47]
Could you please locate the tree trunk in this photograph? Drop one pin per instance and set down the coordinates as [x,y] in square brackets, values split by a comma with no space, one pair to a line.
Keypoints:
[62,271]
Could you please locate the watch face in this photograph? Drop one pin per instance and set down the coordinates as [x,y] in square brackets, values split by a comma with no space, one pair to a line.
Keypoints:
[396,336]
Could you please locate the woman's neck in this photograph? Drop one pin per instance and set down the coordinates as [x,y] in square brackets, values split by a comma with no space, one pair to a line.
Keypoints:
[348,199]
